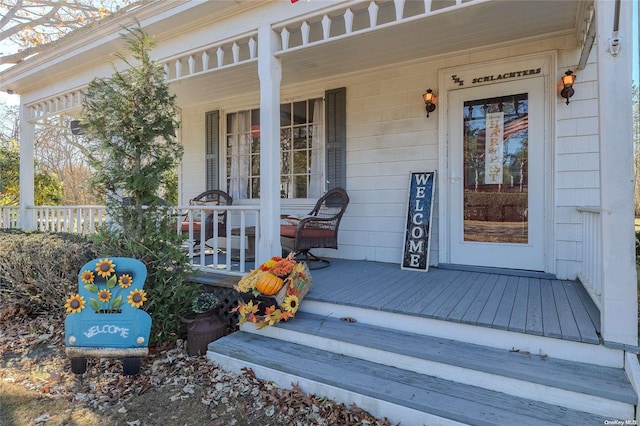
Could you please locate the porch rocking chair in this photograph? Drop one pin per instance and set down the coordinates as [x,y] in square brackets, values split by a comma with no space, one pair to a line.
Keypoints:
[212,197]
[319,229]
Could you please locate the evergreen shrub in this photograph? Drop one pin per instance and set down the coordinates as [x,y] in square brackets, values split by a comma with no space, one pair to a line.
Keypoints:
[38,271]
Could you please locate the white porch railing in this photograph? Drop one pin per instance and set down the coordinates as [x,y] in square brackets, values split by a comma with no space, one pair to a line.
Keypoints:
[238,50]
[74,219]
[356,17]
[9,217]
[233,254]
[591,274]
[238,250]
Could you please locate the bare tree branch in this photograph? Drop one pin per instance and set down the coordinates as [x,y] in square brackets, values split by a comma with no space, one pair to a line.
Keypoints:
[35,25]
[7,17]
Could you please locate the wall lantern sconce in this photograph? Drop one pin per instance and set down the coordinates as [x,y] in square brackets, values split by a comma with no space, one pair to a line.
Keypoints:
[429,101]
[567,85]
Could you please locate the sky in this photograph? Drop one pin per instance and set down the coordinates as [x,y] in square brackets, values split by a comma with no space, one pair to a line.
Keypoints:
[9,99]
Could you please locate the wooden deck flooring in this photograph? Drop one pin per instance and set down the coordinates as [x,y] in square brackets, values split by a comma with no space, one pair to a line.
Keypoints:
[523,302]
[538,305]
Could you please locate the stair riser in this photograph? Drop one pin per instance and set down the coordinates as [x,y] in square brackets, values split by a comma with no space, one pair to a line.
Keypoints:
[501,339]
[515,387]
[395,413]
[632,368]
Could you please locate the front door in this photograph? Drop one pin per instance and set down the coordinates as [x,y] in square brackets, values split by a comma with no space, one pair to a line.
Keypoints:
[496,185]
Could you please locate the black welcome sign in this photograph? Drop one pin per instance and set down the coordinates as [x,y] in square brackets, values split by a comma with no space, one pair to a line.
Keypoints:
[418,227]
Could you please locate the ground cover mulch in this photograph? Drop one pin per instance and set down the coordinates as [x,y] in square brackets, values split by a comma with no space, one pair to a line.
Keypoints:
[173,388]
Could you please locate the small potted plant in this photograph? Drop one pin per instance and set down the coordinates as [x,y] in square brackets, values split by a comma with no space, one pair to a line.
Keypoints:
[203,325]
[205,304]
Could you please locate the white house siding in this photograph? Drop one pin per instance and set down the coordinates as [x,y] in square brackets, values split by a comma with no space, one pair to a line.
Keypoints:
[577,169]
[388,136]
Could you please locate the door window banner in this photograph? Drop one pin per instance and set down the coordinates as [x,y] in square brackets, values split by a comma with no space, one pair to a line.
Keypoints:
[494,149]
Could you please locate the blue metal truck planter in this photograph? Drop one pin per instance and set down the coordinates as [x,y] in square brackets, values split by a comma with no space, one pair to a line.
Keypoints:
[104,318]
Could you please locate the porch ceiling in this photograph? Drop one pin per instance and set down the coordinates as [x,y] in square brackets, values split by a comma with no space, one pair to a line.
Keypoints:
[469,27]
[233,81]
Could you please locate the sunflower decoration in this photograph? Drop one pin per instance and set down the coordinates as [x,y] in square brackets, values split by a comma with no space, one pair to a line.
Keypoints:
[74,304]
[136,298]
[265,310]
[106,285]
[105,289]
[291,303]
[125,281]
[87,277]
[105,268]
[104,296]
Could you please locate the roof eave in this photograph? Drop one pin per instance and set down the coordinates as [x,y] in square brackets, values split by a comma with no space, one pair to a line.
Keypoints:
[100,39]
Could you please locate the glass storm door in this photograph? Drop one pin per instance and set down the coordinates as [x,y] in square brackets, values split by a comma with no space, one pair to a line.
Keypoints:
[497,175]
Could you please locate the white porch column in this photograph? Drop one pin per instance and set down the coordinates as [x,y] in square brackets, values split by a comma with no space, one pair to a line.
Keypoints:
[619,299]
[27,168]
[270,74]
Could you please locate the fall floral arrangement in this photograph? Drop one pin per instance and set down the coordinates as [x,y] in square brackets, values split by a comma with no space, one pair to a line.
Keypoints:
[107,289]
[275,290]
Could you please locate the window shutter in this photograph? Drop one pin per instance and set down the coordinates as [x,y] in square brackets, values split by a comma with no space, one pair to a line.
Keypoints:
[212,135]
[336,131]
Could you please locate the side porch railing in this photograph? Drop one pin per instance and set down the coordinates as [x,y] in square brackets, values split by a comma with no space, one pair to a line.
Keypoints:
[591,274]
[230,252]
[74,219]
[9,217]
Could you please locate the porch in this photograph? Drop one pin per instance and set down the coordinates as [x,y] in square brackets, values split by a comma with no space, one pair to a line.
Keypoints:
[525,302]
[517,301]
[454,345]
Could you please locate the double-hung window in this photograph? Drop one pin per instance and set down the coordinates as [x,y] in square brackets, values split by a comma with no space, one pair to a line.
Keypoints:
[312,148]
[302,151]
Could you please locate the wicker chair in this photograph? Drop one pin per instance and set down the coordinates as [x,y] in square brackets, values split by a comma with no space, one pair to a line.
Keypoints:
[213,197]
[319,229]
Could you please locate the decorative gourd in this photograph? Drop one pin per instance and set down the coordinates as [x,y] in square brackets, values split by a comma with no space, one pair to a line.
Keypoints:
[269,284]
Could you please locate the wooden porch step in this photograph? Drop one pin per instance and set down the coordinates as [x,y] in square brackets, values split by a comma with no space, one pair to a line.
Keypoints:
[604,382]
[399,394]
[604,391]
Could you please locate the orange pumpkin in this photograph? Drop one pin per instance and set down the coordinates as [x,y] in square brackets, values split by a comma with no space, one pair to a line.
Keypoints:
[269,284]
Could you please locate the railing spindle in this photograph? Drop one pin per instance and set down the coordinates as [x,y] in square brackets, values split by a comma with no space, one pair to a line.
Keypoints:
[205,61]
[284,38]
[304,29]
[348,21]
[220,55]
[399,4]
[326,27]
[373,14]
